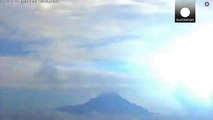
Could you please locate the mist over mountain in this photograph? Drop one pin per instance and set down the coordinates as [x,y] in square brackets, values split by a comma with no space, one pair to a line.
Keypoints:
[108,106]
[107,103]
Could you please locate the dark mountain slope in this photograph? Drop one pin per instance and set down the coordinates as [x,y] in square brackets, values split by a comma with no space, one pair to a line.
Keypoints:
[110,103]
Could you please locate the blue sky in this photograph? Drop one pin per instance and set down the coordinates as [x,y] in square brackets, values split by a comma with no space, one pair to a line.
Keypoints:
[77,49]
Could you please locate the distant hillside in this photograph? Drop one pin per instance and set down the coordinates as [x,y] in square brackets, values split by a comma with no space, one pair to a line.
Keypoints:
[110,103]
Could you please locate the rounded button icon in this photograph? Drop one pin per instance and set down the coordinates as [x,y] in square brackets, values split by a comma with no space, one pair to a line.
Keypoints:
[206,4]
[185,12]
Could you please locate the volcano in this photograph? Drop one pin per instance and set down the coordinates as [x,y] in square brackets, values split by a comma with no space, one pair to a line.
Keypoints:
[108,103]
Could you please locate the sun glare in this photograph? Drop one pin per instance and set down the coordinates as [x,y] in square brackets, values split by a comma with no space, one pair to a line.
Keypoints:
[188,62]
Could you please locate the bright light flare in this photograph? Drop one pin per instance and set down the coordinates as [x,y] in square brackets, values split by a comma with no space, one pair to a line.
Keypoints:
[188,62]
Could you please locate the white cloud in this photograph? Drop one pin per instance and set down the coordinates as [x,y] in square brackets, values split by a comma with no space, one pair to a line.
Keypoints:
[23,72]
[16,70]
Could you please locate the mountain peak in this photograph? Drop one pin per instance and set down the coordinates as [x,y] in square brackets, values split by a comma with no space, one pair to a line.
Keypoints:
[108,103]
[107,97]
[109,94]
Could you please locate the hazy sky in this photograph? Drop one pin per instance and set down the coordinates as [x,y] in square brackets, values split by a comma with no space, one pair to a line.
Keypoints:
[67,52]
